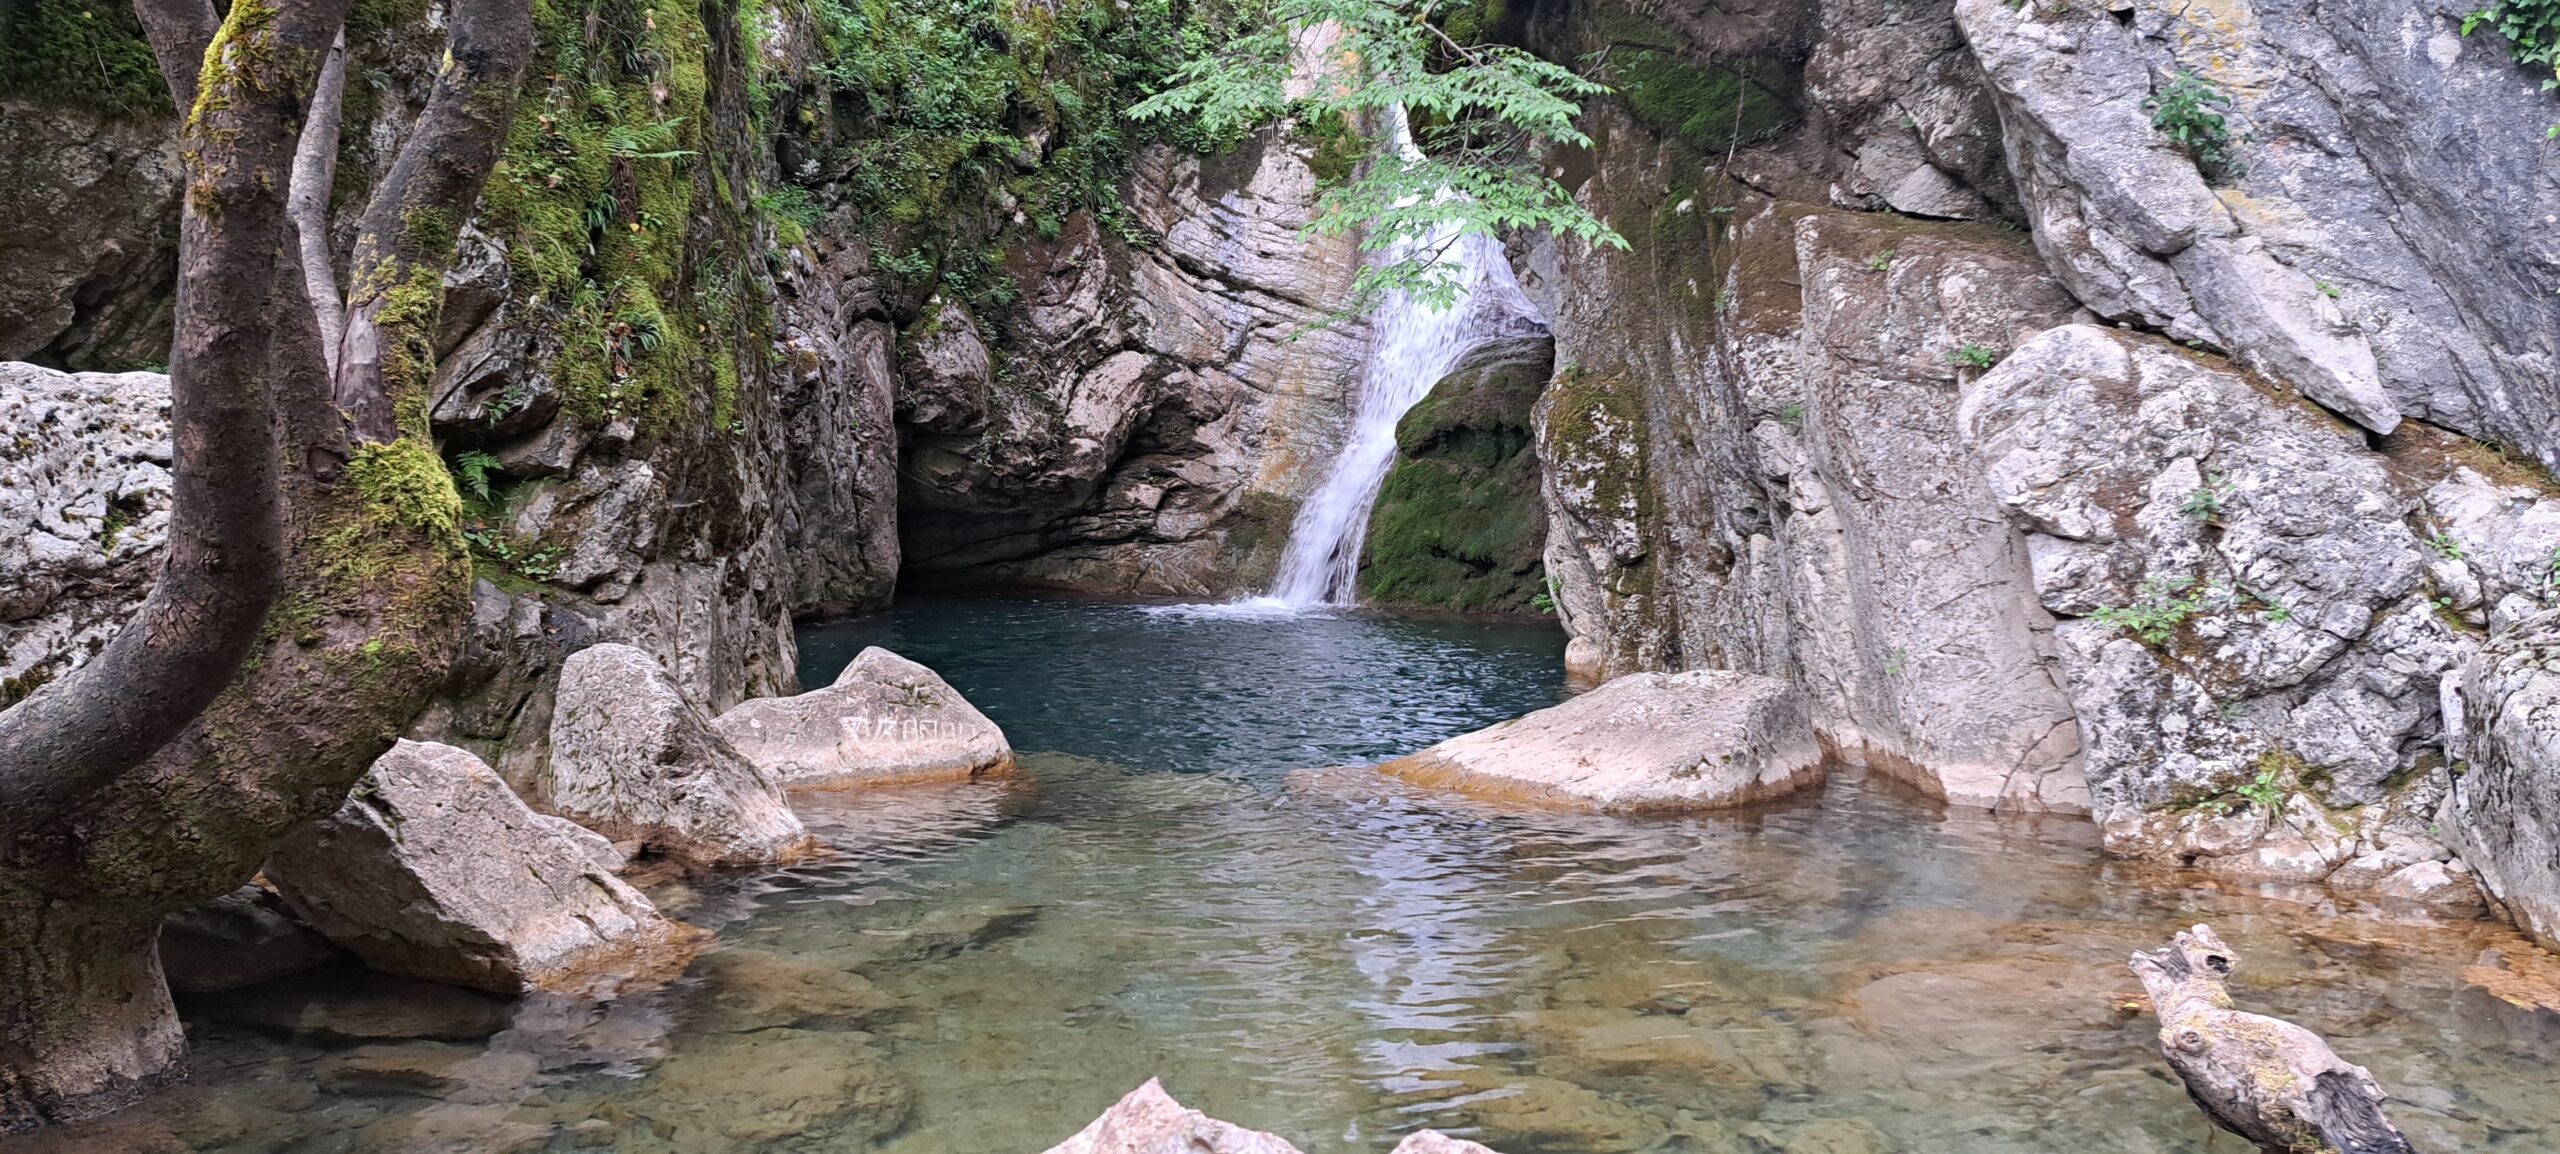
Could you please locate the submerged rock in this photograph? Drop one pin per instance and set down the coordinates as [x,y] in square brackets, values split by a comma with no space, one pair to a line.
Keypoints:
[885,721]
[632,759]
[744,1091]
[2504,813]
[1149,1121]
[239,939]
[1648,741]
[434,869]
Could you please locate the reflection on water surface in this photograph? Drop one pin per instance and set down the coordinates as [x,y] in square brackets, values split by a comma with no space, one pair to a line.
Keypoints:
[984,968]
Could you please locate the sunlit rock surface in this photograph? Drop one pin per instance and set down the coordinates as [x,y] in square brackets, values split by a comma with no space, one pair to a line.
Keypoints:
[632,759]
[1149,1121]
[84,511]
[2504,811]
[1644,742]
[884,721]
[435,869]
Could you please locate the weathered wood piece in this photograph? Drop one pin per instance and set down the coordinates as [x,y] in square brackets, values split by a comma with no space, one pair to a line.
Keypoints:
[2265,1079]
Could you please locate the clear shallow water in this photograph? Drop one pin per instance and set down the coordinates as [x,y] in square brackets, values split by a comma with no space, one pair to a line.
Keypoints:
[982,969]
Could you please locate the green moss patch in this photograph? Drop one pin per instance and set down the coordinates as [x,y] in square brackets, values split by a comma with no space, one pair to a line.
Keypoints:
[80,52]
[1459,524]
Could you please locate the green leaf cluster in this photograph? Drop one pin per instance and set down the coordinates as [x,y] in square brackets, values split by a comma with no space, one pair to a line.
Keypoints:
[1481,116]
[85,52]
[2186,111]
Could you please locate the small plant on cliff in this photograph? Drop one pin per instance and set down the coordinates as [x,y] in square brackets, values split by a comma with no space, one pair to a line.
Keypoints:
[1481,117]
[2532,31]
[2206,501]
[2262,791]
[2164,604]
[2185,112]
[1544,601]
[2445,546]
[1882,261]
[1975,357]
[471,471]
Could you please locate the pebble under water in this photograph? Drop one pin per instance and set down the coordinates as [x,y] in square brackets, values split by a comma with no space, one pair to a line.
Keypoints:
[982,969]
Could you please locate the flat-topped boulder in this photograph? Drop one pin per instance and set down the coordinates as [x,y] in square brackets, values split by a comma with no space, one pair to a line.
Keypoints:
[634,760]
[885,721]
[1149,1121]
[1704,739]
[434,869]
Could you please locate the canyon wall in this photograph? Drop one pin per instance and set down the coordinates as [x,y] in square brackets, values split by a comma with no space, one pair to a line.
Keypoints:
[2067,467]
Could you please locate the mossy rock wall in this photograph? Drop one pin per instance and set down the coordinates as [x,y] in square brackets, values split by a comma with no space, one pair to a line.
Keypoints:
[1459,524]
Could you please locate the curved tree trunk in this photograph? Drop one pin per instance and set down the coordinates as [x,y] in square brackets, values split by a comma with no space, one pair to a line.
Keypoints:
[376,591]
[315,171]
[222,561]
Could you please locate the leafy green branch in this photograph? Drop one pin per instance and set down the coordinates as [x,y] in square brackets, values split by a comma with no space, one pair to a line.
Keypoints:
[1481,117]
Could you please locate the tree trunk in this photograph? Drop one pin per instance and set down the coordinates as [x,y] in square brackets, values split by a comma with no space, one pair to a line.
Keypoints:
[223,557]
[88,1025]
[376,591]
[315,174]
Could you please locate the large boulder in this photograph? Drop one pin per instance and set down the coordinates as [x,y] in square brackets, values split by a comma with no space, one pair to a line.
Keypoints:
[434,869]
[634,760]
[1149,1121]
[2504,812]
[885,721]
[1703,739]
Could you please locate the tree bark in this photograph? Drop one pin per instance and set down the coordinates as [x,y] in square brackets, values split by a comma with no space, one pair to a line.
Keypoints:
[223,557]
[315,174]
[376,591]
[88,1026]
[178,31]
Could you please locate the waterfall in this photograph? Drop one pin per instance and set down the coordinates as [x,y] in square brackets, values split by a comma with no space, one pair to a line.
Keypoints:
[1412,346]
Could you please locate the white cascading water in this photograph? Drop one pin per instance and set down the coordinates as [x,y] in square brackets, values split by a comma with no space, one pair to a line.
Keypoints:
[1412,345]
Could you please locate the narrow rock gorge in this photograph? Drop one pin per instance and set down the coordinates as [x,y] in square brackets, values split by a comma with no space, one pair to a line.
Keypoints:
[2113,442]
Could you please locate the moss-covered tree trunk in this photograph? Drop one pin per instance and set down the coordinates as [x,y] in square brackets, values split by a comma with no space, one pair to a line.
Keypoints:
[375,595]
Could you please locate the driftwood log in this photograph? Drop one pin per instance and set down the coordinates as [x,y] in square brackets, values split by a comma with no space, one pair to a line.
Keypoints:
[2265,1079]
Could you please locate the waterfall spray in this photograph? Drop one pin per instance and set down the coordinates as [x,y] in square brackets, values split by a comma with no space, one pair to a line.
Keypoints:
[1412,345]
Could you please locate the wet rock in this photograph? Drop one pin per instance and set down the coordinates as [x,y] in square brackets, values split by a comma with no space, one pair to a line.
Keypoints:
[757,990]
[410,1069]
[435,869]
[836,405]
[84,511]
[1540,1113]
[349,1005]
[1435,1142]
[745,1091]
[633,760]
[1648,741]
[240,939]
[885,721]
[942,934]
[2504,813]
[1458,524]
[1149,1121]
[1827,1136]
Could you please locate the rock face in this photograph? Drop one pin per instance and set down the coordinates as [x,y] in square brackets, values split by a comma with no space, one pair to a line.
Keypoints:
[2504,814]
[1797,502]
[1458,523]
[1645,742]
[90,243]
[84,499]
[1185,404]
[885,721]
[632,759]
[2243,593]
[2345,257]
[434,869]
